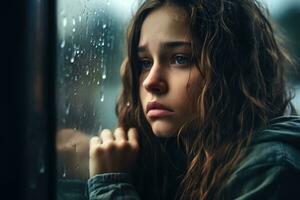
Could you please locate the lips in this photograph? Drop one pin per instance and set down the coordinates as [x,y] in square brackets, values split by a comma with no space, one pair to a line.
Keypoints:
[156,110]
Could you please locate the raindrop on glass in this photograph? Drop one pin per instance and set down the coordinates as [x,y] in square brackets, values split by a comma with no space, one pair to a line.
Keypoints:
[103,76]
[62,45]
[68,109]
[42,169]
[102,98]
[79,18]
[64,175]
[64,22]
[98,82]
[73,30]
[73,21]
[104,26]
[72,60]
[87,72]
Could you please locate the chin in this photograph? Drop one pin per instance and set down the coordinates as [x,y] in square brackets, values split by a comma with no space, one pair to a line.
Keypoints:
[164,130]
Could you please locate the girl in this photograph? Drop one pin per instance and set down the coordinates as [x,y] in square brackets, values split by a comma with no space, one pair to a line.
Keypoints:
[204,112]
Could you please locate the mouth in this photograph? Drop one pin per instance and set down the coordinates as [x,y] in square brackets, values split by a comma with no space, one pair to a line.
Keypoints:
[157,110]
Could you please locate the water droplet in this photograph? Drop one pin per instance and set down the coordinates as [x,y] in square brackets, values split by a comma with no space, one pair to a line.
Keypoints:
[65,22]
[42,169]
[64,175]
[104,26]
[87,72]
[62,45]
[102,44]
[98,82]
[73,30]
[102,98]
[79,18]
[77,51]
[76,78]
[73,21]
[72,60]
[128,104]
[103,76]
[68,109]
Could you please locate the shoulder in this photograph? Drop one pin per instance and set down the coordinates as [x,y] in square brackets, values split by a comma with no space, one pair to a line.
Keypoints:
[272,153]
[270,168]
[278,144]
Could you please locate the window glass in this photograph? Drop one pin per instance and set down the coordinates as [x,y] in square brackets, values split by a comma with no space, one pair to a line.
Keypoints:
[90,49]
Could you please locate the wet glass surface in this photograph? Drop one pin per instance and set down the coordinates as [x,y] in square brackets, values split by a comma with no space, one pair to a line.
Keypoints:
[90,49]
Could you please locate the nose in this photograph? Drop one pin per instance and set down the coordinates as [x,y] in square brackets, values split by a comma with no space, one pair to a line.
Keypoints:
[156,81]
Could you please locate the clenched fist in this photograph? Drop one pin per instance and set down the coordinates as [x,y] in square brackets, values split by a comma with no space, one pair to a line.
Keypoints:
[113,152]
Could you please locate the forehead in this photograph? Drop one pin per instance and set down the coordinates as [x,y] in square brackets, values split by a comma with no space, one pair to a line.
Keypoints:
[167,23]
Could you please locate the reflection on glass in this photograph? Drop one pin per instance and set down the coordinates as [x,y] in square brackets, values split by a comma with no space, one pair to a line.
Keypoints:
[89,52]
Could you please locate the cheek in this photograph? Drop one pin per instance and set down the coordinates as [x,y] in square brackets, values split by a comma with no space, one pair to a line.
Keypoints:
[142,95]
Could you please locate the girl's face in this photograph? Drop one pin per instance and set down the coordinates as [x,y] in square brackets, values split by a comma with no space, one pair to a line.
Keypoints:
[169,81]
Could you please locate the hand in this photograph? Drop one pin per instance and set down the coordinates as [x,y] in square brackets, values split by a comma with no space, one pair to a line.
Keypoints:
[72,154]
[113,152]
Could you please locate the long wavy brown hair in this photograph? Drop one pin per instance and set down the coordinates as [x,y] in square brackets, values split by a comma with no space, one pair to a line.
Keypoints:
[243,86]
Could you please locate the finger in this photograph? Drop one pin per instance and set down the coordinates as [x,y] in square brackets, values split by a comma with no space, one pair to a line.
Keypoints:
[95,141]
[106,136]
[120,134]
[133,137]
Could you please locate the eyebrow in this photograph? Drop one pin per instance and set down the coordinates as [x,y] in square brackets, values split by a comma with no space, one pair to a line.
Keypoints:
[166,45]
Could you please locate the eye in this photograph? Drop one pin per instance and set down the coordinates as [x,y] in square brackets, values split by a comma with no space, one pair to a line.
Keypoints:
[145,64]
[181,60]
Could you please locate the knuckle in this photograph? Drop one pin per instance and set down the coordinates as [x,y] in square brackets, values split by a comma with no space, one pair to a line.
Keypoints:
[135,148]
[109,146]
[96,150]
[123,145]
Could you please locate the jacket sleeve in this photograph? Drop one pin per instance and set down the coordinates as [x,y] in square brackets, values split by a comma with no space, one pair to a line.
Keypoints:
[71,189]
[264,182]
[112,186]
